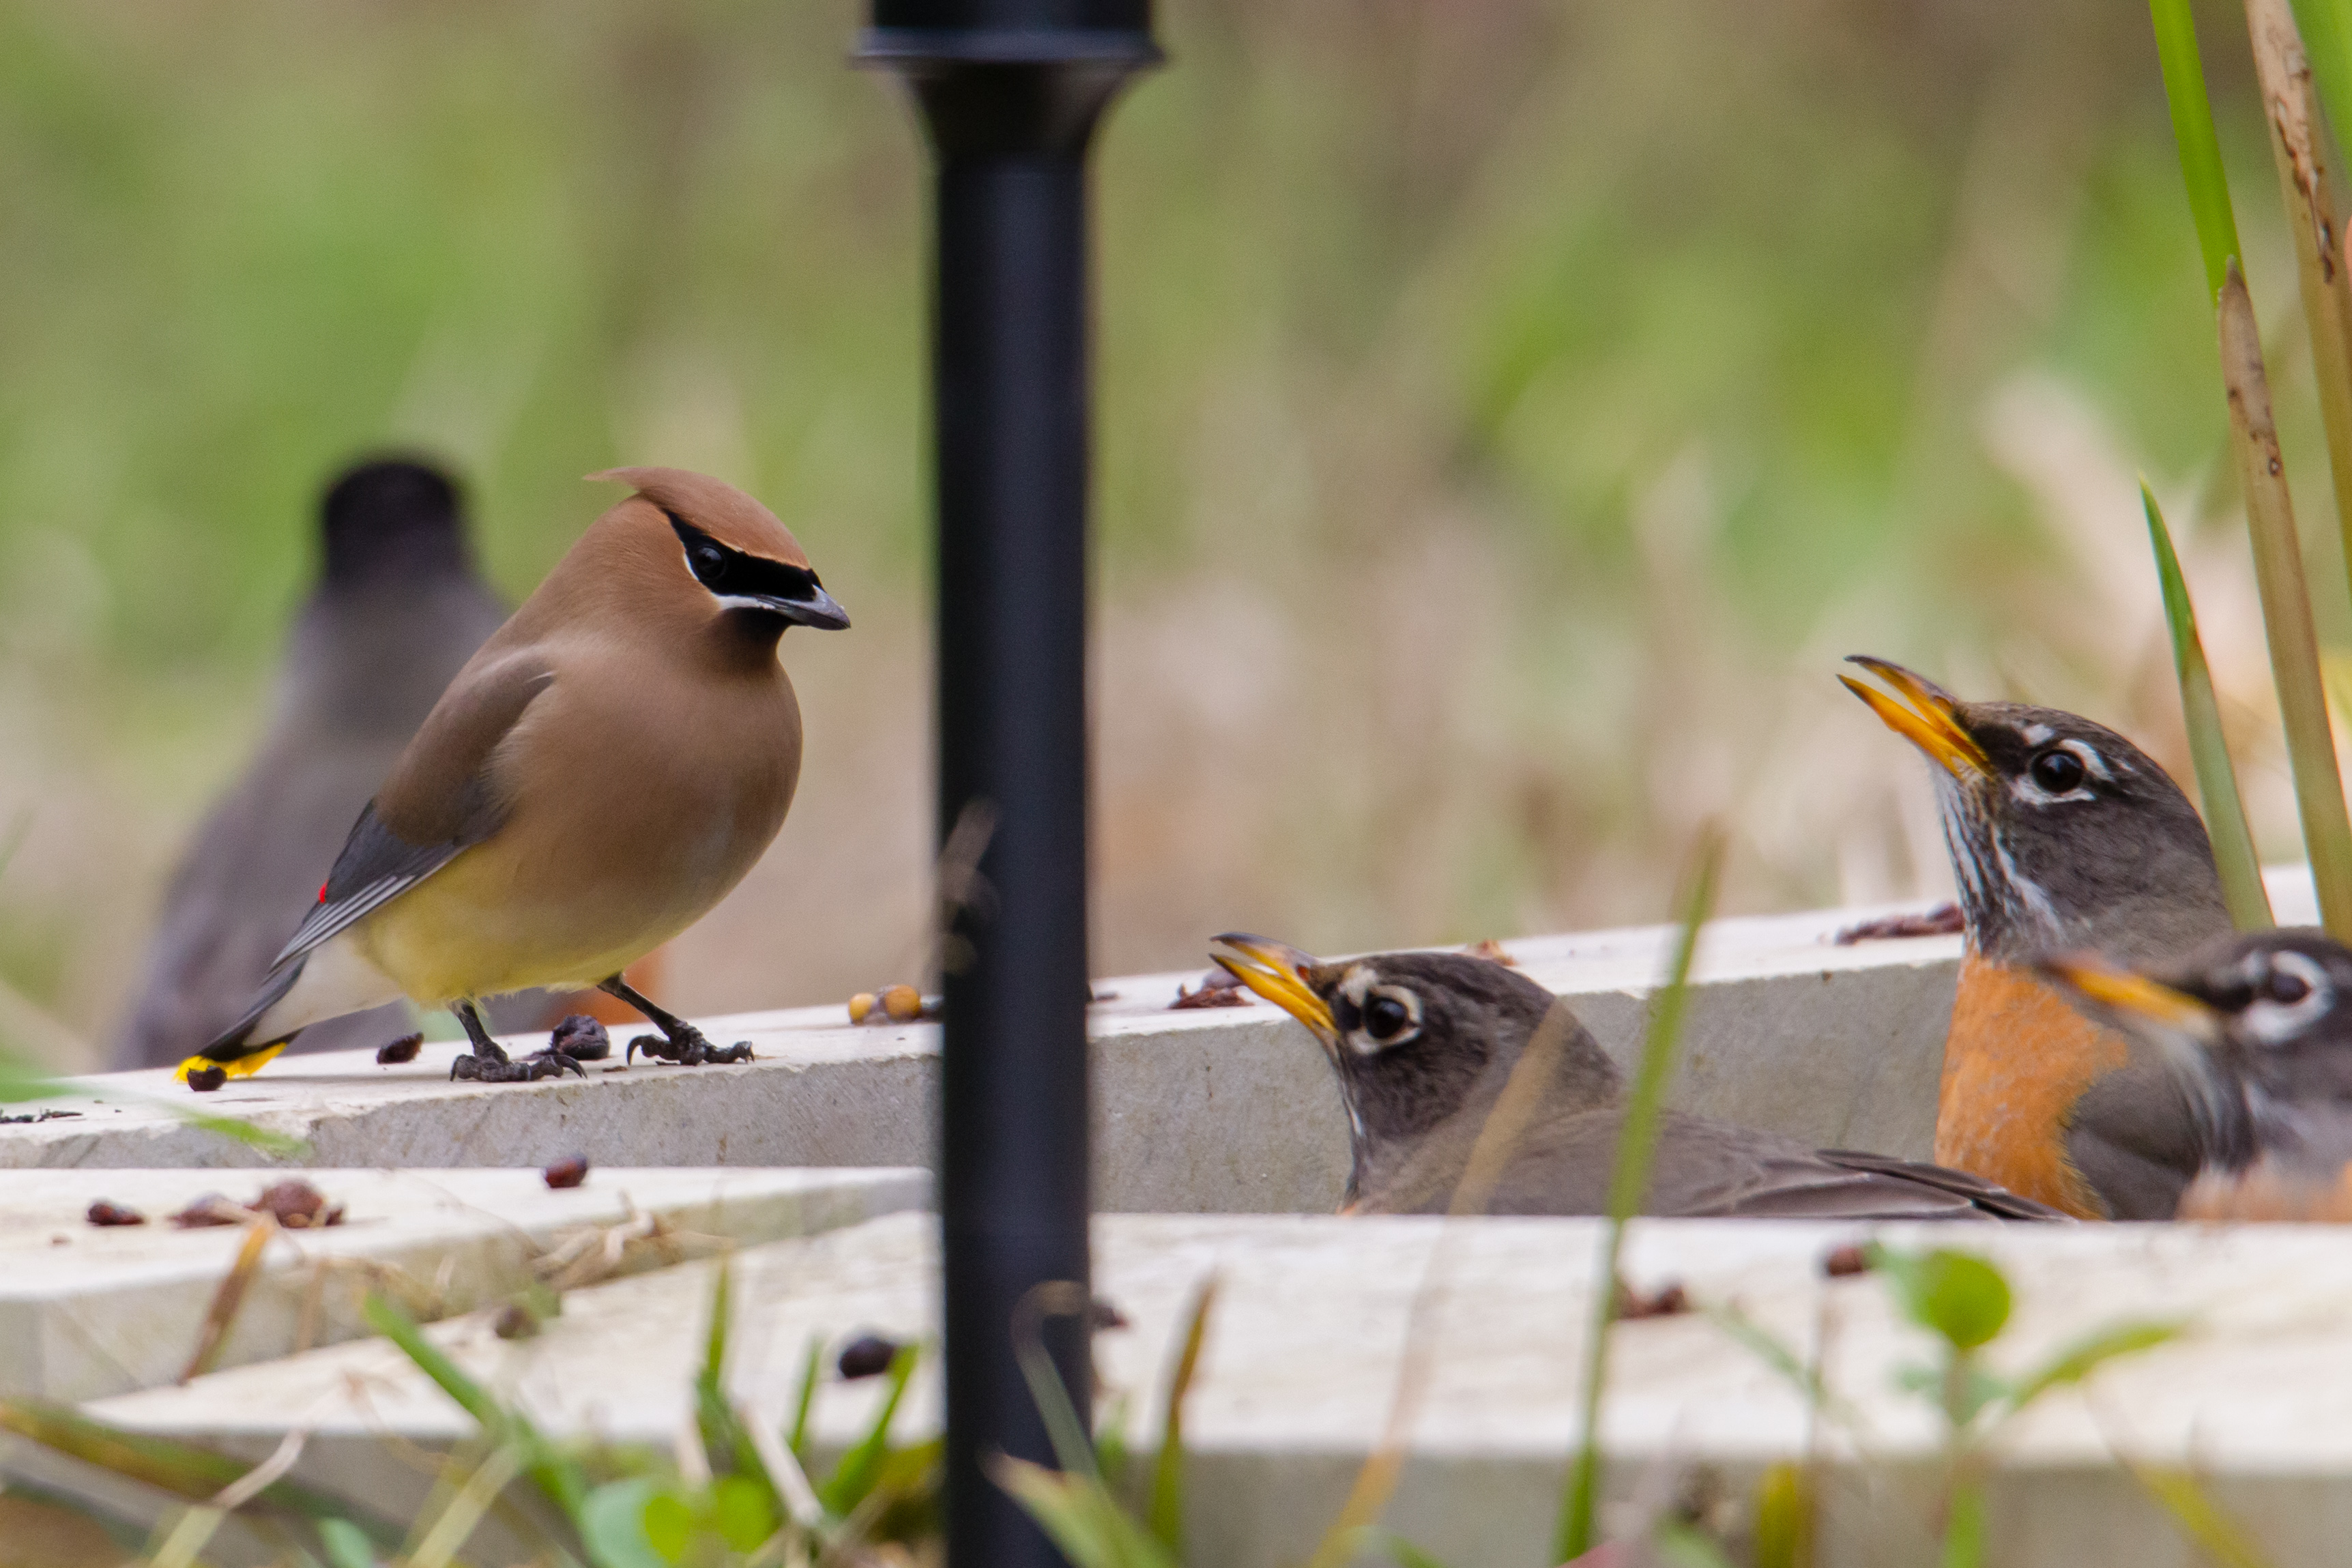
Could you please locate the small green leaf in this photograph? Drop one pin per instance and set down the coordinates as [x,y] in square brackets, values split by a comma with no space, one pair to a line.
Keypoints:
[346,1544]
[2087,1354]
[742,1513]
[1783,1535]
[611,1524]
[1081,1517]
[1961,1298]
[668,1521]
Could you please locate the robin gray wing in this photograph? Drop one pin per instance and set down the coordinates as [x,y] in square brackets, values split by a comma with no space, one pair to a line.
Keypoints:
[2133,1137]
[440,801]
[1712,1168]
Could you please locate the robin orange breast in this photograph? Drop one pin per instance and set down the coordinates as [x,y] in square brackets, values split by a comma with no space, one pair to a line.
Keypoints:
[2064,836]
[2258,1030]
[1433,1049]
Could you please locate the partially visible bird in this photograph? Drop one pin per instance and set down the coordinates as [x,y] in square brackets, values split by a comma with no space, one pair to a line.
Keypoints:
[604,769]
[398,611]
[1429,1050]
[2258,1029]
[2064,836]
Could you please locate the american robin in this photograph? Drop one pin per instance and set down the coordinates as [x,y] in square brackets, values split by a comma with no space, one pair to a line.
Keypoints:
[398,611]
[1425,1044]
[2258,1028]
[608,766]
[2064,836]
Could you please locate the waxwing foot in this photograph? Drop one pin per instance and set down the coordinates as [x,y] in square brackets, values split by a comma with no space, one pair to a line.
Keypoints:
[679,1041]
[490,1064]
[692,1050]
[530,1070]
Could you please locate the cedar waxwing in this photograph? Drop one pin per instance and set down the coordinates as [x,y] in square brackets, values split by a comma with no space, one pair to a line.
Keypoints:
[1426,1045]
[2259,1031]
[2064,836]
[398,611]
[608,766]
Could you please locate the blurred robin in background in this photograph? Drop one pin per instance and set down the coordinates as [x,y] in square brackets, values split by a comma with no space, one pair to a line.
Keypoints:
[604,769]
[1433,1050]
[2259,1030]
[2064,836]
[398,611]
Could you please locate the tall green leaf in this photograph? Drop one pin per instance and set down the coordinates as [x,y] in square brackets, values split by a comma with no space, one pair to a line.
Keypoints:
[2209,749]
[1629,1185]
[2192,131]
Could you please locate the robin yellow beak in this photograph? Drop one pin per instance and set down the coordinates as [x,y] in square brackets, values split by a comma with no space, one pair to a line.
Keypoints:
[1923,713]
[1275,972]
[2135,997]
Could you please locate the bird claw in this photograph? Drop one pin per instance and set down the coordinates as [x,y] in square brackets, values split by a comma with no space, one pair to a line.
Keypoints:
[530,1070]
[691,1049]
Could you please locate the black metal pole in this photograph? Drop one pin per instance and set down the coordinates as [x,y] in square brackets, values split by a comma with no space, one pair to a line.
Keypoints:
[1010,90]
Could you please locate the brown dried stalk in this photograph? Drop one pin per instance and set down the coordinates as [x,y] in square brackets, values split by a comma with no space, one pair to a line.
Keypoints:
[2286,608]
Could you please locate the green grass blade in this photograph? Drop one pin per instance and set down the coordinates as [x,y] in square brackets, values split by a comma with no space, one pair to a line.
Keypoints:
[1629,1185]
[2193,132]
[854,1476]
[2286,608]
[1165,1513]
[561,1479]
[2209,749]
[812,1370]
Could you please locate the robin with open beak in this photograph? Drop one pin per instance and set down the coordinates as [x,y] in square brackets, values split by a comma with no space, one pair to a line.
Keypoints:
[1431,1049]
[2258,1030]
[602,771]
[2064,836]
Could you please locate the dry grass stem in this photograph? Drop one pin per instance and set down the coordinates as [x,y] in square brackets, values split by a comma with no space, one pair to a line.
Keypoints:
[2286,608]
[226,1300]
[2291,103]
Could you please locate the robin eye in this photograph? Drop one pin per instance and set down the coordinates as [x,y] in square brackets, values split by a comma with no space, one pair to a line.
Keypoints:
[1384,1016]
[2058,771]
[2288,988]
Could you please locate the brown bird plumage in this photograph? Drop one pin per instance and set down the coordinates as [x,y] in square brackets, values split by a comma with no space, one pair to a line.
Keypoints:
[610,763]
[1426,1046]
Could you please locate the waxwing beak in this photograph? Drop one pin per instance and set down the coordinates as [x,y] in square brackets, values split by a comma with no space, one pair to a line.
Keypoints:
[1276,972]
[1923,713]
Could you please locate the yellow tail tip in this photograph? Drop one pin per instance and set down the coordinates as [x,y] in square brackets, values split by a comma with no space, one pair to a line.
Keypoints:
[243,1066]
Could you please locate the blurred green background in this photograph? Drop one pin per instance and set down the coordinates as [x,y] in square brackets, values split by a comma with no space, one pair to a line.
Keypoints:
[1508,414]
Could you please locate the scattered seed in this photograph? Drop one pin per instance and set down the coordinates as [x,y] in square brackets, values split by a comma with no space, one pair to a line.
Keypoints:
[904,1004]
[203,1081]
[581,1038]
[867,1355]
[1841,1262]
[516,1321]
[105,1213]
[1491,951]
[403,1049]
[298,1205]
[1218,988]
[567,1173]
[861,1006]
[211,1209]
[1669,1302]
[1101,1315]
